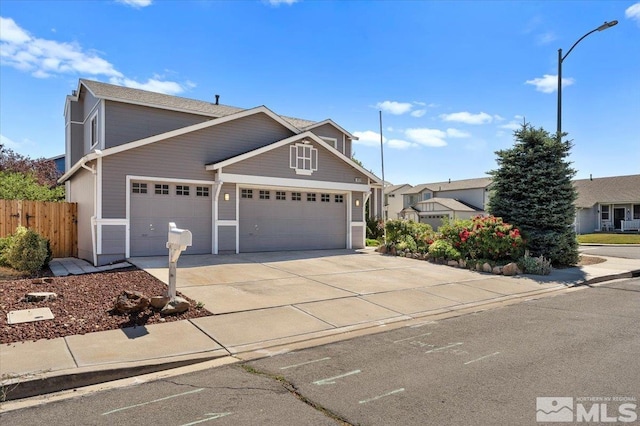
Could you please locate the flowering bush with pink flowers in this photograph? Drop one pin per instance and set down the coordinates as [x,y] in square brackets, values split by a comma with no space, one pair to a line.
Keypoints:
[485,237]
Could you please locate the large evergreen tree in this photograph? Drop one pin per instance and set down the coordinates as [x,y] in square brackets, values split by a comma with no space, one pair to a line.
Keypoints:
[533,189]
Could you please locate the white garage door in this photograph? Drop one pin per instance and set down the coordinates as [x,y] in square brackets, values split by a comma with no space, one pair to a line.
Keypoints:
[155,204]
[283,220]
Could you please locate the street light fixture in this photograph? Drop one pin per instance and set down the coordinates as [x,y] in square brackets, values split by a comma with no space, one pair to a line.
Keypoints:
[562,58]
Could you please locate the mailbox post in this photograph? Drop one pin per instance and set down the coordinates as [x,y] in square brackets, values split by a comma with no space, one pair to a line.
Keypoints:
[179,240]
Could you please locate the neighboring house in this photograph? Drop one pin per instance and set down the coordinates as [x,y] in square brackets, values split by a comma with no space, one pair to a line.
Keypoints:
[59,161]
[242,180]
[609,203]
[432,202]
[394,199]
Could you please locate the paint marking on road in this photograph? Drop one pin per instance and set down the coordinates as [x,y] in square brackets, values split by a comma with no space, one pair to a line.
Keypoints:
[481,358]
[212,416]
[409,338]
[422,324]
[154,401]
[393,392]
[443,348]
[305,363]
[331,380]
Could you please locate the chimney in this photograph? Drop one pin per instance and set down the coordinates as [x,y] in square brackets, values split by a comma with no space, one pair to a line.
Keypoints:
[74,93]
[217,99]
[590,176]
[449,180]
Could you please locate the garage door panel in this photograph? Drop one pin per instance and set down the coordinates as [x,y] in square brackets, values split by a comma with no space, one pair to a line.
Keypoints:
[267,225]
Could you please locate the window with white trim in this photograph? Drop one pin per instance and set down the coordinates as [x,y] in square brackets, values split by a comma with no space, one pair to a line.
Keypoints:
[93,130]
[296,196]
[338,198]
[604,211]
[139,188]
[161,189]
[182,190]
[246,193]
[333,142]
[325,198]
[303,158]
[202,191]
[636,211]
[311,196]
[265,195]
[281,195]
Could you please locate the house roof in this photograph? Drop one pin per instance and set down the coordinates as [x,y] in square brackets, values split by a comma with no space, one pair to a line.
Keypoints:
[450,204]
[393,188]
[615,189]
[453,185]
[159,100]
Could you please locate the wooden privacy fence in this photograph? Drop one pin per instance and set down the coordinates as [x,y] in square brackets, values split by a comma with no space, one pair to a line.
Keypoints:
[54,221]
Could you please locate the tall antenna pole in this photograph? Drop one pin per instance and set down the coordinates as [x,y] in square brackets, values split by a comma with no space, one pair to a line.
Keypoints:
[384,202]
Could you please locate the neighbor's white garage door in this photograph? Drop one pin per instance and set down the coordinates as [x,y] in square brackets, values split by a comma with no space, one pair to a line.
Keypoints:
[155,204]
[283,220]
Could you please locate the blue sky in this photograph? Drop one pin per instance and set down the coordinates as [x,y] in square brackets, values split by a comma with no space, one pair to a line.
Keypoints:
[453,79]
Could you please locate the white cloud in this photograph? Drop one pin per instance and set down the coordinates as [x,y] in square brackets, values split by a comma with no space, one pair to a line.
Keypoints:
[467,117]
[546,38]
[633,12]
[279,2]
[455,133]
[512,125]
[549,83]
[136,3]
[427,137]
[395,108]
[400,144]
[498,117]
[419,103]
[45,58]
[418,113]
[368,138]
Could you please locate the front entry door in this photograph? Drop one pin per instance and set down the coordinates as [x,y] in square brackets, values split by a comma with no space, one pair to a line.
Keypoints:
[618,216]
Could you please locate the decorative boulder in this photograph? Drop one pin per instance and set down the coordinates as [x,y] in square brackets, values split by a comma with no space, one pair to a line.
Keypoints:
[382,249]
[487,268]
[40,296]
[130,301]
[453,263]
[462,263]
[178,306]
[497,270]
[159,302]
[510,269]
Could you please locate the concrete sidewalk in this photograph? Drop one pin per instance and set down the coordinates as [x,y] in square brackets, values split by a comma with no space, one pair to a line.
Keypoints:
[269,302]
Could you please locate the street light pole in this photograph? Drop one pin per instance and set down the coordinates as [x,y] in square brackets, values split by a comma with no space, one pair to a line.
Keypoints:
[561,59]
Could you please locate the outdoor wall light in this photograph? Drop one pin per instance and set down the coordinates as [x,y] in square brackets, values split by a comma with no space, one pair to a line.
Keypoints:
[357,203]
[226,196]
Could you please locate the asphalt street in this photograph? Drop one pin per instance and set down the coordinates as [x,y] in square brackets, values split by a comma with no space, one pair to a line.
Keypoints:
[626,252]
[485,368]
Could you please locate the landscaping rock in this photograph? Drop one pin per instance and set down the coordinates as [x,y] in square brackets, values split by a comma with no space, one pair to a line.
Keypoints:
[462,263]
[159,302]
[452,263]
[40,296]
[177,306]
[496,270]
[129,302]
[486,268]
[382,249]
[510,269]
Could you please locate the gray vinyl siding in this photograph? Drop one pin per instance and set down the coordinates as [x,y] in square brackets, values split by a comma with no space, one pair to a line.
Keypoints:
[476,197]
[347,147]
[76,111]
[90,106]
[227,209]
[81,192]
[275,163]
[113,240]
[128,123]
[357,237]
[328,131]
[226,238]
[77,142]
[185,156]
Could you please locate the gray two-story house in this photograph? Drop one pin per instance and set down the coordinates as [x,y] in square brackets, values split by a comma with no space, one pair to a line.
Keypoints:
[242,180]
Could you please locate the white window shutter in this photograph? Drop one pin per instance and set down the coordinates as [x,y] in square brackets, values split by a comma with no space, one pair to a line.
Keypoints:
[314,159]
[293,156]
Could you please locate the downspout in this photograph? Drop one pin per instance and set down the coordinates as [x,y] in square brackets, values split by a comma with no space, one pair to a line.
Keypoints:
[95,208]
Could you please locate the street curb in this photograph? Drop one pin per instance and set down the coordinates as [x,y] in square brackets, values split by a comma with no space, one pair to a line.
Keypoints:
[70,379]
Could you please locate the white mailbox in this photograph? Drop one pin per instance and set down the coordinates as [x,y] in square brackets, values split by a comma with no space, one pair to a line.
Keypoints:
[179,237]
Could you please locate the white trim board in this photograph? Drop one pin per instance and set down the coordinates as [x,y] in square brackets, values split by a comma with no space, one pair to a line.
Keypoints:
[291,183]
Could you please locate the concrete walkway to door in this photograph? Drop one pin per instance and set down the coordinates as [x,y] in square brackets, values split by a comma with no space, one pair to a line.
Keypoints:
[263,299]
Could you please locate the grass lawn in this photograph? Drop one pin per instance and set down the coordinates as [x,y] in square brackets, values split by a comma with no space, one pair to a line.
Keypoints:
[609,238]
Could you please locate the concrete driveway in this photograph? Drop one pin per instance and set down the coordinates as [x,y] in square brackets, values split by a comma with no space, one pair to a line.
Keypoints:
[243,282]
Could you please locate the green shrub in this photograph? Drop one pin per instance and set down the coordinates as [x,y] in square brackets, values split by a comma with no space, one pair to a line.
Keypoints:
[375,228]
[4,244]
[27,251]
[409,234]
[372,243]
[535,265]
[443,249]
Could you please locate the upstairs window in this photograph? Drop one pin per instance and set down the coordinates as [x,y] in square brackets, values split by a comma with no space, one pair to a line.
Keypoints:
[94,130]
[303,158]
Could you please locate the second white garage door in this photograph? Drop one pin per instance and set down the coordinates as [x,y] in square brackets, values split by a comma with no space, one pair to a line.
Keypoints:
[283,220]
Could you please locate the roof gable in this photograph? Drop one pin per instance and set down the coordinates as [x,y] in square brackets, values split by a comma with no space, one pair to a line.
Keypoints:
[449,204]
[615,189]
